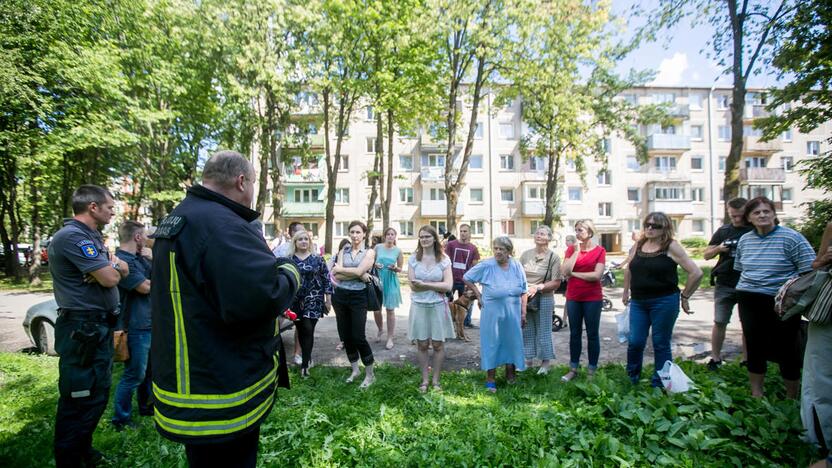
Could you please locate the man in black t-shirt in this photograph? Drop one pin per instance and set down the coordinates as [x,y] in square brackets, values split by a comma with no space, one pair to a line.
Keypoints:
[724,277]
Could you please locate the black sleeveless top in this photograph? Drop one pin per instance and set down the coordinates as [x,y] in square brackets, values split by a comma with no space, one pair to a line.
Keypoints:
[653,275]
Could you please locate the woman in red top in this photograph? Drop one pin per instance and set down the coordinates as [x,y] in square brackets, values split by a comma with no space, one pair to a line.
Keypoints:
[583,265]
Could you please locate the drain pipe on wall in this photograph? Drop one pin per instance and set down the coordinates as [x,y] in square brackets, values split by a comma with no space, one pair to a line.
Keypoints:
[490,178]
[711,157]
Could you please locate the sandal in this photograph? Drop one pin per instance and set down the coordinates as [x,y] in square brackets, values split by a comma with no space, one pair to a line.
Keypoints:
[423,388]
[569,376]
[437,387]
[491,387]
[389,344]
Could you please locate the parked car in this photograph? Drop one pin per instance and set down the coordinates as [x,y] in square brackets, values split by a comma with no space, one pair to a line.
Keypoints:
[24,252]
[39,325]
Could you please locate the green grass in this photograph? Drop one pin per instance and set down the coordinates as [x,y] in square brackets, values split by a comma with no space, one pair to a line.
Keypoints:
[537,422]
[9,283]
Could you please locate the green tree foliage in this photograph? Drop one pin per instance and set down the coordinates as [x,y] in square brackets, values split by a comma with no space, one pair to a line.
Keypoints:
[805,58]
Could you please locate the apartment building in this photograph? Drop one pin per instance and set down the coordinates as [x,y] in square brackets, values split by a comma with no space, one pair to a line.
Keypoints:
[504,194]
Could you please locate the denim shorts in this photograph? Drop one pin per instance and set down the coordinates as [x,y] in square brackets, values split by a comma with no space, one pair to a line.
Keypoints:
[725,298]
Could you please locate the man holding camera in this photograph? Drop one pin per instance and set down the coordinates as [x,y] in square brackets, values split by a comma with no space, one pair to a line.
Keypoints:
[84,279]
[724,277]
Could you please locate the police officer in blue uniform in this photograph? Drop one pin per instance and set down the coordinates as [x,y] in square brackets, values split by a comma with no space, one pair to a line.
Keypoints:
[84,280]
[216,351]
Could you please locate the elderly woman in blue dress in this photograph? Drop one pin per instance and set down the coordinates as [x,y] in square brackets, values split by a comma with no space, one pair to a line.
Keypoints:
[503,299]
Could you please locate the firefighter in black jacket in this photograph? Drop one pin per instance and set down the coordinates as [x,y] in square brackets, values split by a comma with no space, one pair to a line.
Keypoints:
[216,353]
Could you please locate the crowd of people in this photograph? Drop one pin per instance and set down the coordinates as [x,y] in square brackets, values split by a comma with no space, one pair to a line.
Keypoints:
[215,357]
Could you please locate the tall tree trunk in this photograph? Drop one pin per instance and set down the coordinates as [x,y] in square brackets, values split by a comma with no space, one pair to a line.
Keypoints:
[731,183]
[346,102]
[552,193]
[385,205]
[376,176]
[34,195]
[267,142]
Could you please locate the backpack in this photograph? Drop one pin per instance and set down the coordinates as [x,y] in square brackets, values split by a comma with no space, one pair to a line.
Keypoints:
[798,294]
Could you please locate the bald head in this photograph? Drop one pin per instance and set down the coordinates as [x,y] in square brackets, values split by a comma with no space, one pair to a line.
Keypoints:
[231,174]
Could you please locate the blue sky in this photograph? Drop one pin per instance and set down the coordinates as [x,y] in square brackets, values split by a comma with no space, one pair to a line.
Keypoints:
[681,61]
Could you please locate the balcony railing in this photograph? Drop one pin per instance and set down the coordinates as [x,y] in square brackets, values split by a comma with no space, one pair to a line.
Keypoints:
[538,208]
[438,208]
[671,207]
[752,144]
[432,173]
[666,142]
[763,174]
[754,111]
[304,209]
[681,111]
[298,141]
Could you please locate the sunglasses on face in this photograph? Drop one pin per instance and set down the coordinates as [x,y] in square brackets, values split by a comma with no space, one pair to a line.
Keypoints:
[653,226]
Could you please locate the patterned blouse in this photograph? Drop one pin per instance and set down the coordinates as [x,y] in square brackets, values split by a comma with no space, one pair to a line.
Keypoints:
[309,301]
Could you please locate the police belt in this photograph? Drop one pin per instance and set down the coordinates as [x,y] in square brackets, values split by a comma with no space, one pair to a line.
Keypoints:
[82,314]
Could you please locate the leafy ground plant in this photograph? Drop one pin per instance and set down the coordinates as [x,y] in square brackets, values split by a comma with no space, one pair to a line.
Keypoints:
[537,422]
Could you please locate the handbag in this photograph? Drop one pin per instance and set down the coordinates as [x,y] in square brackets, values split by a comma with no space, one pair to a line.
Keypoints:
[799,295]
[375,295]
[121,352]
[533,305]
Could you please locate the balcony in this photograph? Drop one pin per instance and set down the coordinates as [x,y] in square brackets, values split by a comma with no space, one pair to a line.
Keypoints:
[437,208]
[671,207]
[754,111]
[665,143]
[537,208]
[311,174]
[432,174]
[304,209]
[763,174]
[753,145]
[296,142]
[679,111]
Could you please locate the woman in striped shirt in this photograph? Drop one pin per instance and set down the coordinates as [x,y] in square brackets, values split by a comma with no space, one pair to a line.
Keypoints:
[767,257]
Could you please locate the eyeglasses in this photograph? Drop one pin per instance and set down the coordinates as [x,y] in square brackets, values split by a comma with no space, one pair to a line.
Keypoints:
[653,226]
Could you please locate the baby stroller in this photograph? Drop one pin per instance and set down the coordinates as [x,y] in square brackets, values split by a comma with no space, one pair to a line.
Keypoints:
[607,281]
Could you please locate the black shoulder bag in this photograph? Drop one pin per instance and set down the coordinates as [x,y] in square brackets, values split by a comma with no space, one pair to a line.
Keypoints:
[533,305]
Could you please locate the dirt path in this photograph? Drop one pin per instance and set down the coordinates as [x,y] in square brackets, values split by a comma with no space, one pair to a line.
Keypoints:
[691,336]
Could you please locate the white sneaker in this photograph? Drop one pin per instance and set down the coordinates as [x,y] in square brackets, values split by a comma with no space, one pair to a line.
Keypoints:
[298,360]
[311,364]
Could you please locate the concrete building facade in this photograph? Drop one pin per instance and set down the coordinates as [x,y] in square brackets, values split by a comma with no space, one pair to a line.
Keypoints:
[504,194]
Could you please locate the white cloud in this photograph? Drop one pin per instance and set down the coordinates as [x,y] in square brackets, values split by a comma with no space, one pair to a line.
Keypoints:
[671,70]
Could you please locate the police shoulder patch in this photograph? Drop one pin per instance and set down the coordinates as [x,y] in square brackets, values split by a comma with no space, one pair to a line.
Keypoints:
[88,248]
[169,227]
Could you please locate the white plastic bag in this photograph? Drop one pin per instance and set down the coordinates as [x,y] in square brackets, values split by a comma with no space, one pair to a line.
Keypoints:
[674,378]
[623,320]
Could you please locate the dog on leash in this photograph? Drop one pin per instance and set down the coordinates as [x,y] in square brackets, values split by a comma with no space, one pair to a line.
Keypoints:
[459,309]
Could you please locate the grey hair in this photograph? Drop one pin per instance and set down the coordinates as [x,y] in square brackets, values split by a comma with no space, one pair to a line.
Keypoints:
[225,166]
[504,242]
[545,229]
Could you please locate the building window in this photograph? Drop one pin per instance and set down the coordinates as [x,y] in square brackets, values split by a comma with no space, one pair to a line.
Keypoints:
[813,148]
[755,162]
[606,145]
[721,194]
[535,193]
[605,209]
[723,101]
[664,98]
[695,101]
[342,228]
[269,230]
[433,160]
[370,116]
[436,194]
[406,228]
[475,194]
[669,193]
[537,164]
[632,163]
[697,194]
[406,195]
[507,227]
[787,135]
[477,228]
[377,213]
[344,166]
[787,163]
[311,227]
[506,130]
[665,163]
[373,146]
[479,131]
[696,132]
[306,195]
[633,194]
[570,165]
[633,225]
[696,163]
[475,162]
[534,225]
[604,177]
[722,162]
[724,133]
[440,226]
[698,226]
[631,99]
[406,162]
[787,194]
[575,194]
[507,162]
[342,195]
[507,195]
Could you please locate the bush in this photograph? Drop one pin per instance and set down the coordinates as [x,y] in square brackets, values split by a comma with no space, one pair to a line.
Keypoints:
[695,243]
[322,421]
